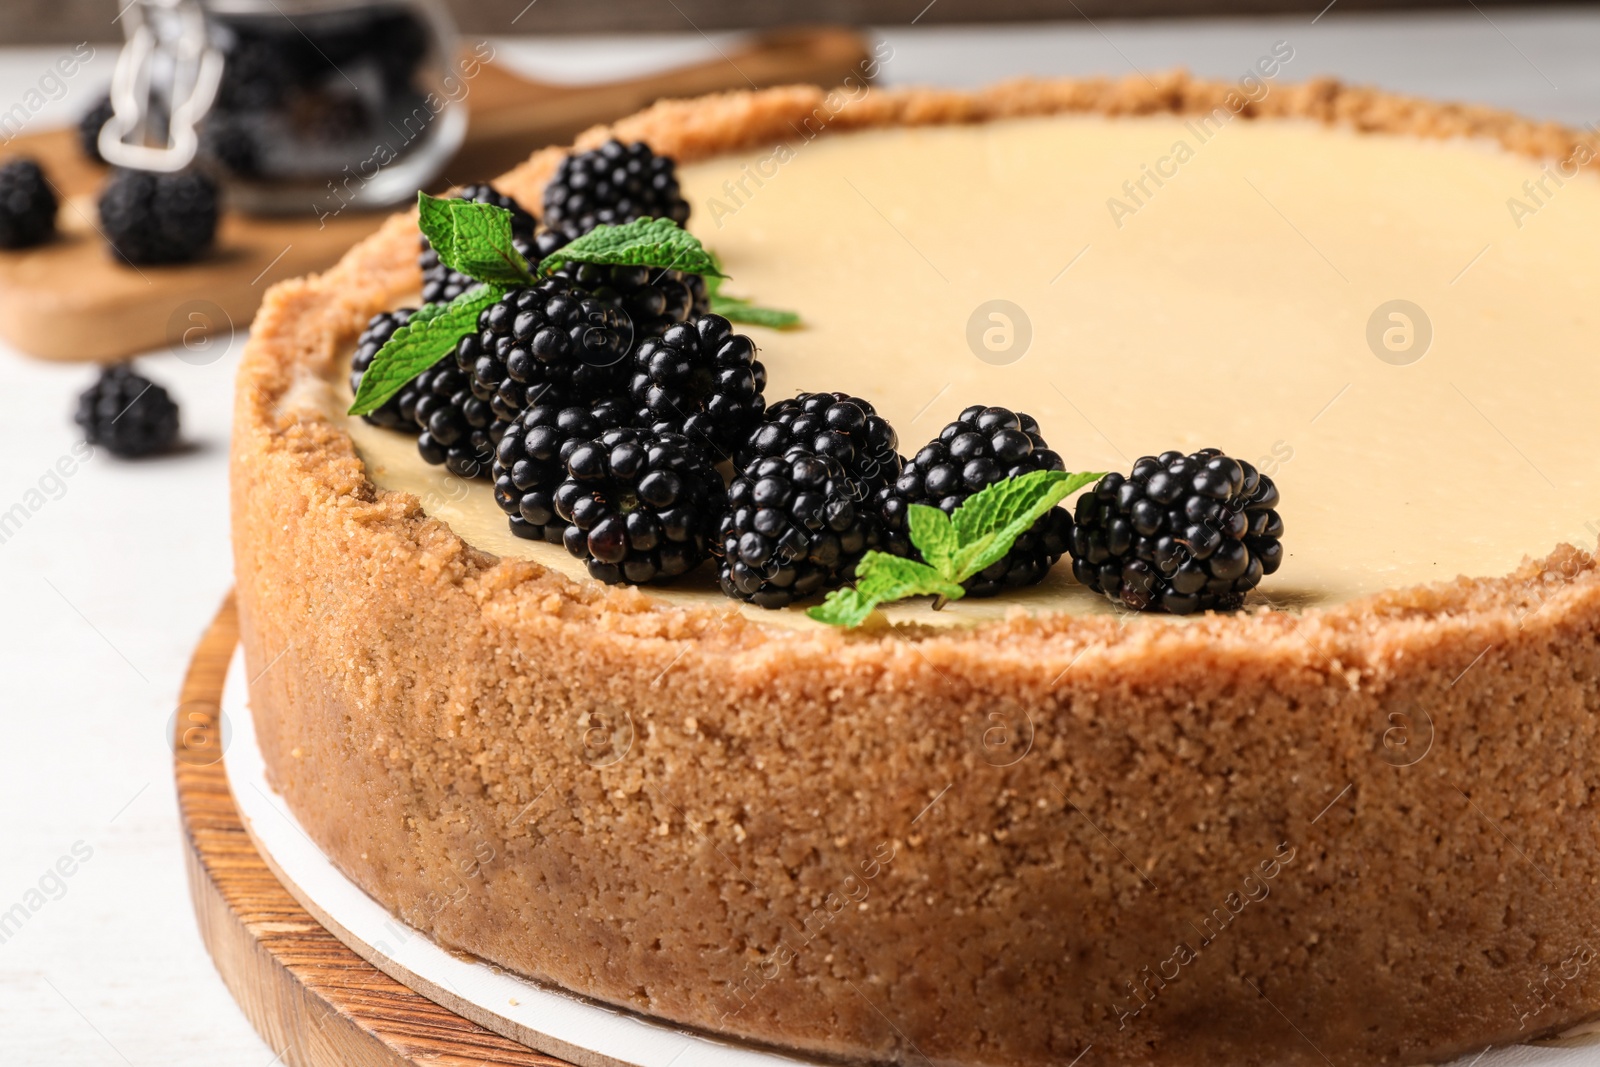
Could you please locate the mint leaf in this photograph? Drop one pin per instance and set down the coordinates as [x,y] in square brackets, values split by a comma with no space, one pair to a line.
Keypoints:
[474,239]
[738,309]
[989,522]
[881,577]
[429,336]
[934,535]
[658,243]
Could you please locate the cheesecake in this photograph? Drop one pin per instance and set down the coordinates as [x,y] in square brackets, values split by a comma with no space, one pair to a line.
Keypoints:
[1345,824]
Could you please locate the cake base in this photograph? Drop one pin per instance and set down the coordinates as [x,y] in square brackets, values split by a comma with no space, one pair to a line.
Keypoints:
[317,1003]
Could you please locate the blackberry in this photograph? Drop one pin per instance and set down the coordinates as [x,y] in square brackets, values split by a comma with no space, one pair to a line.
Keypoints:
[128,414]
[795,527]
[843,430]
[89,127]
[702,380]
[546,344]
[653,298]
[643,505]
[458,428]
[983,446]
[159,218]
[1179,534]
[398,412]
[614,183]
[27,205]
[440,284]
[531,461]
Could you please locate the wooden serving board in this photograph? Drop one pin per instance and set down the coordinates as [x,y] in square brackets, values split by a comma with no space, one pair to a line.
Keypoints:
[316,1002]
[69,300]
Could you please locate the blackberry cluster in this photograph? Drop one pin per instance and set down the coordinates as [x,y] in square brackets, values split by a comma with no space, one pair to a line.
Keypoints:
[643,505]
[531,461]
[440,284]
[836,427]
[458,427]
[1179,534]
[801,509]
[983,446]
[399,411]
[795,527]
[159,218]
[614,183]
[128,414]
[546,344]
[653,298]
[27,205]
[702,380]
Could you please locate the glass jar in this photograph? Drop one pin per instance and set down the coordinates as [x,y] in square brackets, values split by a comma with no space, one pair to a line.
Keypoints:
[299,105]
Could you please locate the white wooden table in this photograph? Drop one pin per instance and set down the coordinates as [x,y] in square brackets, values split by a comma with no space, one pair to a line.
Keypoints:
[110,574]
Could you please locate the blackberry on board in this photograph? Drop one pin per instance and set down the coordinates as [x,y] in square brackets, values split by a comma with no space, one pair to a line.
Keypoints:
[981,447]
[702,380]
[1179,533]
[159,218]
[546,344]
[399,411]
[643,505]
[796,526]
[836,427]
[90,125]
[531,461]
[128,414]
[653,298]
[458,428]
[440,284]
[27,204]
[613,184]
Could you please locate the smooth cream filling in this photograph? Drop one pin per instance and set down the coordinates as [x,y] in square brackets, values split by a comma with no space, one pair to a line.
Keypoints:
[1184,286]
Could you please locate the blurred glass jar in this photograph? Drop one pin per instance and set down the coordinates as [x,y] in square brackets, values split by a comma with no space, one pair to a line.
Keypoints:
[299,105]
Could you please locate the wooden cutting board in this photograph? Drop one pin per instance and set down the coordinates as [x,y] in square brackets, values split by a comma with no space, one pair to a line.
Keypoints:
[69,300]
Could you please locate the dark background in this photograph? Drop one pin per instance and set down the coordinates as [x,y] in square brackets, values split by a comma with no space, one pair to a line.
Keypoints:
[51,21]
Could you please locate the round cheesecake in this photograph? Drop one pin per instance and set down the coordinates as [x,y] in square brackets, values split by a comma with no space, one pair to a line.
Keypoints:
[1348,824]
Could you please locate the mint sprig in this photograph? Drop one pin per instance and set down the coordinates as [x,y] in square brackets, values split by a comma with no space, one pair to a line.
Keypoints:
[473,239]
[641,243]
[956,547]
[431,334]
[742,309]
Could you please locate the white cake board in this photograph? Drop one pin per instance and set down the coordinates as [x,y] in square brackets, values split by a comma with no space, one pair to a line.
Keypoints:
[557,1023]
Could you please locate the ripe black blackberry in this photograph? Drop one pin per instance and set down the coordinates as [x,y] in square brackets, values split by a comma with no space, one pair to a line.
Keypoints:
[702,380]
[796,526]
[1179,534]
[440,284]
[89,126]
[614,183]
[128,414]
[399,411]
[843,430]
[983,446]
[653,298]
[27,205]
[531,461]
[643,505]
[546,344]
[458,428]
[159,218]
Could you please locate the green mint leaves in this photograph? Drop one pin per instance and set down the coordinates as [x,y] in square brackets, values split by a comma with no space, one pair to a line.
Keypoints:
[474,239]
[739,309]
[956,547]
[429,336]
[640,243]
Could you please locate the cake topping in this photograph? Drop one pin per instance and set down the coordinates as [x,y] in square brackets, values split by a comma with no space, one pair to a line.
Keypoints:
[1179,534]
[440,284]
[983,446]
[457,426]
[399,411]
[653,298]
[643,505]
[27,205]
[702,380]
[615,183]
[843,429]
[531,461]
[128,413]
[956,547]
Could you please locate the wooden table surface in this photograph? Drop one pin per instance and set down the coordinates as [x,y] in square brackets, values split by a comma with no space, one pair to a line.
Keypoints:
[110,571]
